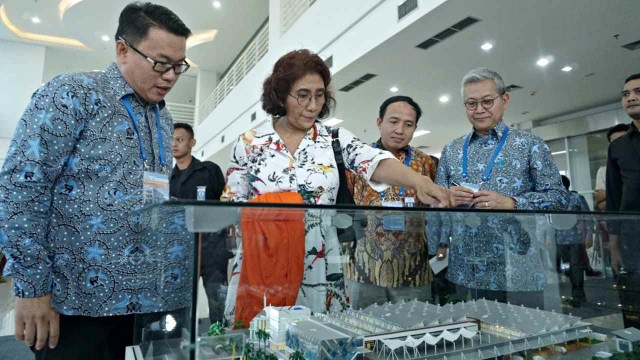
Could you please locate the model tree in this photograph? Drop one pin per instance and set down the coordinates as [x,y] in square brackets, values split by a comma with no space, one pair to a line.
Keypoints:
[296,355]
[216,329]
[239,325]
[262,337]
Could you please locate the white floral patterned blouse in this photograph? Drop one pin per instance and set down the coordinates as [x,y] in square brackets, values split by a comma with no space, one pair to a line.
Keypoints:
[260,164]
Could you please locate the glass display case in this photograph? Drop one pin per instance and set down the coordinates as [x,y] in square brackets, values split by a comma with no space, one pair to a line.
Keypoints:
[334,282]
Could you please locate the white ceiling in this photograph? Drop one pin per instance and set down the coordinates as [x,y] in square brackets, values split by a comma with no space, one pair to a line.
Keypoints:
[579,33]
[575,32]
[87,21]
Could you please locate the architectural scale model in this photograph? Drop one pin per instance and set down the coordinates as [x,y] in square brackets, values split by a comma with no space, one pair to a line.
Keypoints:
[472,330]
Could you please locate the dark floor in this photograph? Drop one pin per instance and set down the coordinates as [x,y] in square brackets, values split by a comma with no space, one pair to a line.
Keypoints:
[11,349]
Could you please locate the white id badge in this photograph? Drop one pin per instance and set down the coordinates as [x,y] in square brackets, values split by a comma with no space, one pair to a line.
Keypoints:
[155,187]
[393,222]
[392,203]
[409,201]
[470,186]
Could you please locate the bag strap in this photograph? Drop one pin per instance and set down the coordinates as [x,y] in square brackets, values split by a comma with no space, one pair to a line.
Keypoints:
[337,153]
[337,149]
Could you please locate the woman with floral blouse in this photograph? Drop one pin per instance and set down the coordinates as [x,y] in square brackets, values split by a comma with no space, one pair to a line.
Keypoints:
[293,153]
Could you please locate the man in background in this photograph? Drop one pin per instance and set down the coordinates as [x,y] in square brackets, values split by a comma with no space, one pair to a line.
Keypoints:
[623,194]
[187,176]
[391,262]
[600,195]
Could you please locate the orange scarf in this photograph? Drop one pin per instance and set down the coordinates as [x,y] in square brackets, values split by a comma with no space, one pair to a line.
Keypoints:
[272,255]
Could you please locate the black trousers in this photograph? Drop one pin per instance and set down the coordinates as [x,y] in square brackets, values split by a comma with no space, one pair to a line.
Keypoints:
[629,291]
[83,337]
[106,338]
[572,254]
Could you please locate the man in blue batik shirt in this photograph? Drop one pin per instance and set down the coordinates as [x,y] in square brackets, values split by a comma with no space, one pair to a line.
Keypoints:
[81,255]
[495,167]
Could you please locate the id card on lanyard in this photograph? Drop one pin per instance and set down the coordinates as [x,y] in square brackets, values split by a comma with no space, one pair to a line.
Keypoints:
[487,172]
[155,185]
[397,222]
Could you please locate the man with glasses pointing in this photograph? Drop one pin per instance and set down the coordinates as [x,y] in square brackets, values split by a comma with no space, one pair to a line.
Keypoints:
[495,167]
[81,260]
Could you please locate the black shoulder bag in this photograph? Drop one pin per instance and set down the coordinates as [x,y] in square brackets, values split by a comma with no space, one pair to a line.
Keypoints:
[344,195]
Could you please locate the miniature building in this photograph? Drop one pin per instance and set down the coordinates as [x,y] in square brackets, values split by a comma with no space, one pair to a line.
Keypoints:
[473,330]
[260,322]
[627,339]
[279,317]
[319,341]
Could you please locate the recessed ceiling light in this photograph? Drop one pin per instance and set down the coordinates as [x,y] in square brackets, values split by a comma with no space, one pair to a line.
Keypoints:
[332,121]
[217,4]
[444,99]
[420,133]
[35,20]
[394,89]
[486,46]
[567,68]
[543,61]
[105,38]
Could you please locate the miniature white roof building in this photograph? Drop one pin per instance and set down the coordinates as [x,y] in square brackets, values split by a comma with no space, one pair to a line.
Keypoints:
[630,334]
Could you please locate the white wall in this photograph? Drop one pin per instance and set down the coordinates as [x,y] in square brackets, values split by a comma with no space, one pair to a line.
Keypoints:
[347,34]
[21,67]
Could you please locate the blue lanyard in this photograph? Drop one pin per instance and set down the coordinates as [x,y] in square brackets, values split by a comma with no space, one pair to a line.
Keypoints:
[496,152]
[134,119]
[407,162]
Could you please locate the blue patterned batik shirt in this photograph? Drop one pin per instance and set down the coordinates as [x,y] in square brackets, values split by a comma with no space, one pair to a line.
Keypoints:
[499,251]
[70,195]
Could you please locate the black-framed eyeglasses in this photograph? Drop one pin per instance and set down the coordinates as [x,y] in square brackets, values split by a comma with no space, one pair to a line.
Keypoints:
[304,97]
[485,103]
[160,66]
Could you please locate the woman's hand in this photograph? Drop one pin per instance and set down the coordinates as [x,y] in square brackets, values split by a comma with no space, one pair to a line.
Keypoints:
[430,193]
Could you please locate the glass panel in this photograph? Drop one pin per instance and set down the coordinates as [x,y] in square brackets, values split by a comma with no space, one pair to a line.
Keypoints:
[332,280]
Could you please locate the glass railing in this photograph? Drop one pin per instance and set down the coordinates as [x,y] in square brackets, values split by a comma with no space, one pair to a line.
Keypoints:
[283,281]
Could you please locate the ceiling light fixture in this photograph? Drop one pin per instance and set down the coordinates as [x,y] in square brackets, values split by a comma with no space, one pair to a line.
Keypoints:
[542,62]
[65,5]
[201,36]
[332,122]
[559,152]
[486,46]
[394,89]
[217,4]
[105,38]
[35,20]
[38,37]
[567,68]
[444,99]
[420,133]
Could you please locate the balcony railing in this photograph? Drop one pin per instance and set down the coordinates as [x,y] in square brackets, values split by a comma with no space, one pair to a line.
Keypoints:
[250,56]
[183,113]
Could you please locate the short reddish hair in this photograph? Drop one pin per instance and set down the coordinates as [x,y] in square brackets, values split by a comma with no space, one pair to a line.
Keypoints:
[287,70]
